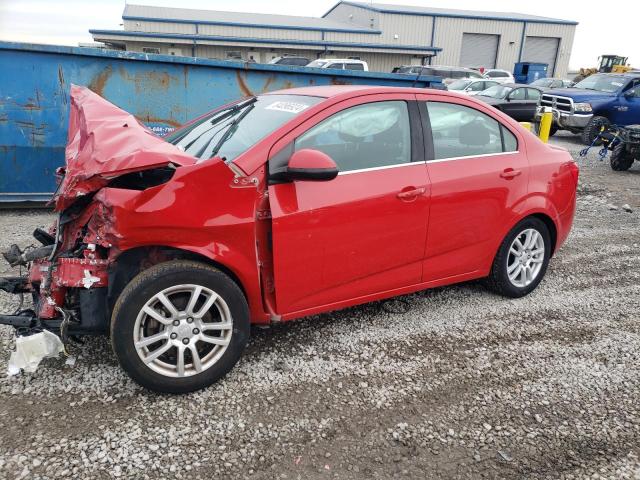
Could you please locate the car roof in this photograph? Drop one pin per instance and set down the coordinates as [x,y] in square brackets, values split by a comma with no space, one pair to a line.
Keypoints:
[330,91]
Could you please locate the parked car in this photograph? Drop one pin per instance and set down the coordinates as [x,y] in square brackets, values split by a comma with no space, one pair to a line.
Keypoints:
[549,83]
[500,76]
[281,206]
[448,74]
[290,60]
[519,101]
[597,101]
[470,86]
[340,64]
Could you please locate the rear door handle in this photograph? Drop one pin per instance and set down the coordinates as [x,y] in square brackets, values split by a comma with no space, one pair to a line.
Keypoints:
[409,194]
[510,173]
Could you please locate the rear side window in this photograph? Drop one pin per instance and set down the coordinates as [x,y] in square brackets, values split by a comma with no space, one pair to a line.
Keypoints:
[510,142]
[533,94]
[460,131]
[498,74]
[365,136]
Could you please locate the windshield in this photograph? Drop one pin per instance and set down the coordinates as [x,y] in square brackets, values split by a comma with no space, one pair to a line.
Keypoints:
[317,63]
[602,83]
[459,84]
[497,91]
[542,82]
[229,132]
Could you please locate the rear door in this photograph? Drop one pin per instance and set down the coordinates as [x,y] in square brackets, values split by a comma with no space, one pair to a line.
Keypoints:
[478,172]
[365,231]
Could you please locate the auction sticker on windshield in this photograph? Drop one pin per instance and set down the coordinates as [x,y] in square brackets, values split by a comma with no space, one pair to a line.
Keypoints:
[291,107]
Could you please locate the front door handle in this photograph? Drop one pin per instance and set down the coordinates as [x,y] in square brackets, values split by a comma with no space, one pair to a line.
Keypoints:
[413,193]
[510,173]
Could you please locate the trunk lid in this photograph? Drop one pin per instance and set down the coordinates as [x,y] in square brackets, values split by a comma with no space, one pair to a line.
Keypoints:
[105,142]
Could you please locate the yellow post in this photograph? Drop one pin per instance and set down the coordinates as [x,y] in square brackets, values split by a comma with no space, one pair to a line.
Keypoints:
[545,124]
[526,125]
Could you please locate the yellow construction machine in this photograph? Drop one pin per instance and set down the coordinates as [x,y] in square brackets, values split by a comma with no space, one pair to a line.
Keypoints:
[608,64]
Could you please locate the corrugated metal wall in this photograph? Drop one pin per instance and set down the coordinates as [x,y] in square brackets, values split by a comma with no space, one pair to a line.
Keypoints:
[565,33]
[449,36]
[409,29]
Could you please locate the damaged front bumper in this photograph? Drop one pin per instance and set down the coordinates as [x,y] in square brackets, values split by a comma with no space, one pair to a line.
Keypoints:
[68,292]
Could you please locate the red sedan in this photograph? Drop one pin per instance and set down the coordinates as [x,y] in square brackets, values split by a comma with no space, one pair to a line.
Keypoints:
[280,206]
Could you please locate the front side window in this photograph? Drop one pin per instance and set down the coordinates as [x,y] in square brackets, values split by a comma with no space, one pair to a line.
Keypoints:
[365,136]
[459,84]
[518,94]
[497,91]
[317,63]
[231,131]
[476,87]
[460,131]
[336,65]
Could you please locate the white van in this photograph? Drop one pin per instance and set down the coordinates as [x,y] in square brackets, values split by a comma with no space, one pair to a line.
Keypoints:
[340,64]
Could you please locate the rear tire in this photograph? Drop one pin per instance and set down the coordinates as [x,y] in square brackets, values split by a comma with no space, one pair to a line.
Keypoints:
[198,317]
[522,259]
[620,158]
[592,130]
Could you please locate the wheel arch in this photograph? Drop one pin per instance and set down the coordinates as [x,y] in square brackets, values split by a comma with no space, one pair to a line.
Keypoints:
[551,226]
[135,260]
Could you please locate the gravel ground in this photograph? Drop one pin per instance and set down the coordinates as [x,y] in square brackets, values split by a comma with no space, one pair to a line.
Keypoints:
[457,383]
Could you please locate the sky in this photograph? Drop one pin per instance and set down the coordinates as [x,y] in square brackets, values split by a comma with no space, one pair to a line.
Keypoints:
[66,22]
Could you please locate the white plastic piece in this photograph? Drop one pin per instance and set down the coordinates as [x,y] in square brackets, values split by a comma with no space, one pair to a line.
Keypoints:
[88,280]
[32,349]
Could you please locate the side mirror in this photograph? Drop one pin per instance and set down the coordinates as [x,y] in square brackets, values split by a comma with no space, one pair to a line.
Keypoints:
[312,165]
[631,93]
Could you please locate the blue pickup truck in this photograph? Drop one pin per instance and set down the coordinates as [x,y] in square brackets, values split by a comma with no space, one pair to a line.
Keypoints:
[597,101]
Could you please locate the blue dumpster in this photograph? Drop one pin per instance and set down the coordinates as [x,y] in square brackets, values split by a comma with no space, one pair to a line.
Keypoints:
[162,91]
[527,72]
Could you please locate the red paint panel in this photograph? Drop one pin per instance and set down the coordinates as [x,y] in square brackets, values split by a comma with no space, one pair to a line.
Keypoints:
[348,237]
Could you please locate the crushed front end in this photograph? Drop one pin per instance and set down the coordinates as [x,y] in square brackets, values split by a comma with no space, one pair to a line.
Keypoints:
[67,273]
[66,277]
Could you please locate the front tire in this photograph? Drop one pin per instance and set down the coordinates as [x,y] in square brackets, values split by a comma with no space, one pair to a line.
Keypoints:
[522,259]
[179,326]
[593,129]
[620,158]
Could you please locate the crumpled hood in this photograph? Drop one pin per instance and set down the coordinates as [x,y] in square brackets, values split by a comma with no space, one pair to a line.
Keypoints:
[105,142]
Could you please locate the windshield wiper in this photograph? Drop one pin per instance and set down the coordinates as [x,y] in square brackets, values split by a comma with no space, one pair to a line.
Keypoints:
[221,115]
[230,131]
[219,118]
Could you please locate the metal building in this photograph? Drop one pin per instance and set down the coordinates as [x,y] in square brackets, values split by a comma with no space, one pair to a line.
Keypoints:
[384,35]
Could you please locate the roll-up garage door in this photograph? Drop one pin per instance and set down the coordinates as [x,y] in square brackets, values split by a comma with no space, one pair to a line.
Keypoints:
[541,49]
[479,50]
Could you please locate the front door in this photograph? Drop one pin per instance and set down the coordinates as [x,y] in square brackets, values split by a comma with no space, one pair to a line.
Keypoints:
[627,110]
[478,174]
[363,232]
